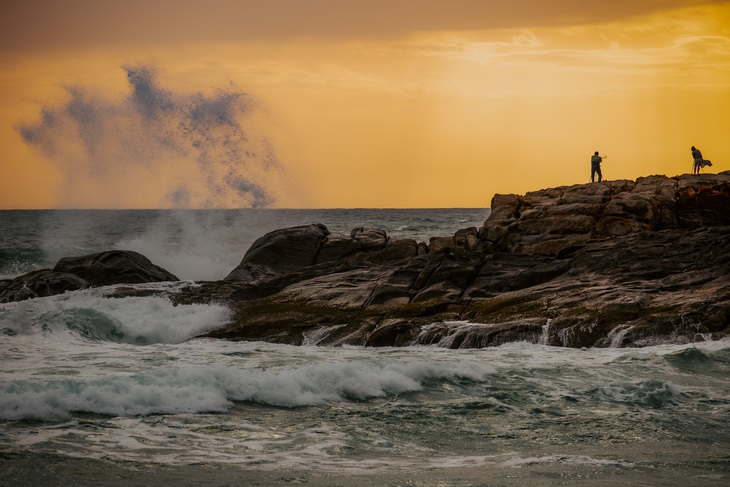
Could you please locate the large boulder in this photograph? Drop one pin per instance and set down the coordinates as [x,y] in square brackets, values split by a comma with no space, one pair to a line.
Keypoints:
[361,239]
[281,252]
[94,270]
[287,255]
[114,267]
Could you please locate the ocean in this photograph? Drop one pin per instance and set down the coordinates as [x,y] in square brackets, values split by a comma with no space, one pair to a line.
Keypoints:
[118,391]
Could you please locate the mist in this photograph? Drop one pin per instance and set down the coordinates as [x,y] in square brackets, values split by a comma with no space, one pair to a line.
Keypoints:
[156,147]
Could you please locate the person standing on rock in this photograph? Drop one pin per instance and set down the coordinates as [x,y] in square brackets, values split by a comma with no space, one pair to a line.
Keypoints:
[596,167]
[699,161]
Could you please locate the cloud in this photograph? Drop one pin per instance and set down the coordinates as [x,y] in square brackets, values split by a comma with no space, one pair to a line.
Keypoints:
[34,24]
[688,40]
[157,147]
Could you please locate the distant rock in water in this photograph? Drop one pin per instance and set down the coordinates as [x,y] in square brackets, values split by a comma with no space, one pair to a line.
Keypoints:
[615,263]
[73,273]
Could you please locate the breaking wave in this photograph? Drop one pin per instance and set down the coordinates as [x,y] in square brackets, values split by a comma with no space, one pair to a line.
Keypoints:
[214,388]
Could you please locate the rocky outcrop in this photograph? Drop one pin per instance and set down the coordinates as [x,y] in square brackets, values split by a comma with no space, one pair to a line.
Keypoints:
[616,263]
[549,221]
[73,273]
[291,250]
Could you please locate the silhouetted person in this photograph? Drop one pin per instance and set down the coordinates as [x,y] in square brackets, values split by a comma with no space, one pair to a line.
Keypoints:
[596,167]
[699,162]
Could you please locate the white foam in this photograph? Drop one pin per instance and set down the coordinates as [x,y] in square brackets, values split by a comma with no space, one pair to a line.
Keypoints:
[142,320]
[212,388]
[116,396]
[520,461]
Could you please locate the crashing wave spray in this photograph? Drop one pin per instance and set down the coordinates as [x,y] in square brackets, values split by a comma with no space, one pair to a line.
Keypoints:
[158,148]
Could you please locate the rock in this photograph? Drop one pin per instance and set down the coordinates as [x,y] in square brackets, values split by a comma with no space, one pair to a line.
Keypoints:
[616,263]
[281,252]
[113,267]
[369,238]
[338,247]
[607,209]
[73,273]
[703,200]
[441,244]
[467,238]
[40,283]
[396,250]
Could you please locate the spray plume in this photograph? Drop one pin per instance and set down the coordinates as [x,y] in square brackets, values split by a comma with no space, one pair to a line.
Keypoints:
[158,148]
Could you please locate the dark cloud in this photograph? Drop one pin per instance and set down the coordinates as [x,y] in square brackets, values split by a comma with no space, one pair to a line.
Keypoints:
[33,24]
[199,149]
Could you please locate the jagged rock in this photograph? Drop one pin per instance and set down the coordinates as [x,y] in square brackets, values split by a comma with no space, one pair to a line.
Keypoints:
[467,238]
[615,263]
[703,200]
[541,221]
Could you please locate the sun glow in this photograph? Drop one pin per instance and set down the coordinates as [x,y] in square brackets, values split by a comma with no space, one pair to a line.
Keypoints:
[425,118]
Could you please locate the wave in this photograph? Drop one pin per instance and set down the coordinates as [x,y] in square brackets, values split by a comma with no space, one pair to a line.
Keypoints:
[651,394]
[214,388]
[89,315]
[704,362]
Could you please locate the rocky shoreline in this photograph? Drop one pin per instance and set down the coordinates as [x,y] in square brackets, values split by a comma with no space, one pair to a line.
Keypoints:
[616,263]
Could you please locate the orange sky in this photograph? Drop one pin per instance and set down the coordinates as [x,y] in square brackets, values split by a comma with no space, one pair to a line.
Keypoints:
[373,103]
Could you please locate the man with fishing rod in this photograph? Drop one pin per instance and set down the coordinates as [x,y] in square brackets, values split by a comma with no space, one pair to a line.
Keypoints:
[596,167]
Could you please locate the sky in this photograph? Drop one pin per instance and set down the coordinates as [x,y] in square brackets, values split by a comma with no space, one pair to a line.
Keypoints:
[351,104]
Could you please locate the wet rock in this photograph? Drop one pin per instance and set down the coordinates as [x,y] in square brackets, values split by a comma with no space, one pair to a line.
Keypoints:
[617,263]
[74,273]
[114,267]
[40,283]
[280,252]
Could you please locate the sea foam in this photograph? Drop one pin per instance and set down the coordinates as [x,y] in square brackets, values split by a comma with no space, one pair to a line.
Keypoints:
[214,388]
[90,315]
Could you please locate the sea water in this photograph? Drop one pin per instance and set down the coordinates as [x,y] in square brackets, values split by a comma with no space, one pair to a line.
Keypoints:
[119,391]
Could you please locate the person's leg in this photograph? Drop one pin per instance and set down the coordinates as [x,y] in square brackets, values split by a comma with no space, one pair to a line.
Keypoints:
[600,176]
